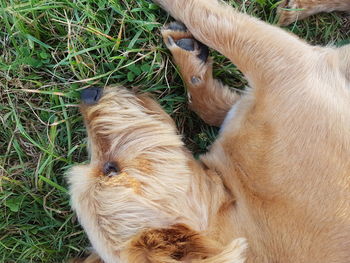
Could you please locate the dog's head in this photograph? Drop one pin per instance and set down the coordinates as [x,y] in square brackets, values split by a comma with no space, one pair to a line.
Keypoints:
[137,199]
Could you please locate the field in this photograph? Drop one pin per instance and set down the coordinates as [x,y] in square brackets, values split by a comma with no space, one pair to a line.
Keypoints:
[49,51]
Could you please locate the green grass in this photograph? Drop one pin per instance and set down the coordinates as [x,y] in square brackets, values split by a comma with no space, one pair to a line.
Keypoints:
[49,51]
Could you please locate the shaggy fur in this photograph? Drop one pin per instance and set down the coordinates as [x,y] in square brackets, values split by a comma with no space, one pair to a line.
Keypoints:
[278,175]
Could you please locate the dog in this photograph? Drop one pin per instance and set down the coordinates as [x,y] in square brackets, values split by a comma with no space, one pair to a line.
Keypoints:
[274,186]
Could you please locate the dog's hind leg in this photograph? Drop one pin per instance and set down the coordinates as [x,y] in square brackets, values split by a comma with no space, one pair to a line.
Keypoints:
[266,54]
[292,10]
[208,97]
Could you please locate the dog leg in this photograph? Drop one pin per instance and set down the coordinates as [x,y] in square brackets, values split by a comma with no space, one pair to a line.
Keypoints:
[261,51]
[208,97]
[301,9]
[344,57]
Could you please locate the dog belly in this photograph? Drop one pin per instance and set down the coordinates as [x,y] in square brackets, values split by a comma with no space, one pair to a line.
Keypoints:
[230,116]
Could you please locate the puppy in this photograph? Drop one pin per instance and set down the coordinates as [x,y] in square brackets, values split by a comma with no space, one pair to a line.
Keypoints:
[277,178]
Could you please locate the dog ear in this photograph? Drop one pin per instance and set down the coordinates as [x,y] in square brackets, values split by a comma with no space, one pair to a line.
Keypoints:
[179,243]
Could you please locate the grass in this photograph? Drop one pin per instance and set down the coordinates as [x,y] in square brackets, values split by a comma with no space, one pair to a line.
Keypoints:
[49,51]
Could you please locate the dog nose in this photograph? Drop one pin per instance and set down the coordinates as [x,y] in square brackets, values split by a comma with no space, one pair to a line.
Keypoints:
[91,95]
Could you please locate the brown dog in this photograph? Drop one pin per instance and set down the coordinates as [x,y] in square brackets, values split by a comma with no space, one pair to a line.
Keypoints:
[278,175]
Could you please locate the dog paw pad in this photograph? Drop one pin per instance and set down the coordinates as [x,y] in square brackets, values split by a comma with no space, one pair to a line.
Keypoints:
[177,26]
[186,44]
[195,80]
[203,51]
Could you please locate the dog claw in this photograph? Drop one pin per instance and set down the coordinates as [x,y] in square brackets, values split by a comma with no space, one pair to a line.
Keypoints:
[186,44]
[171,41]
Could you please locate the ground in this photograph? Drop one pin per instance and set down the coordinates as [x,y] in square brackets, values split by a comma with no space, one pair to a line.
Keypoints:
[49,51]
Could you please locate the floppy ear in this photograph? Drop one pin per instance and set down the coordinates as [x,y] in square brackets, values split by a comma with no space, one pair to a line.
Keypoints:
[179,243]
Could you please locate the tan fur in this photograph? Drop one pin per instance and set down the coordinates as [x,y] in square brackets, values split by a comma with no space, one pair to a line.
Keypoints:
[182,243]
[92,258]
[134,132]
[208,97]
[300,9]
[278,174]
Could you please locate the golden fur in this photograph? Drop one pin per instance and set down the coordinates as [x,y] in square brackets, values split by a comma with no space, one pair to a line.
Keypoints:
[301,9]
[278,175]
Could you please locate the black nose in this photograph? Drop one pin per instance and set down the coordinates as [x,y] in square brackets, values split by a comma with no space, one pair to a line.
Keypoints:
[91,95]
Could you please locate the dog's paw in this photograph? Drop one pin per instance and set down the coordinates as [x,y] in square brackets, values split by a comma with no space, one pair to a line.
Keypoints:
[176,26]
[181,42]
[289,11]
[174,31]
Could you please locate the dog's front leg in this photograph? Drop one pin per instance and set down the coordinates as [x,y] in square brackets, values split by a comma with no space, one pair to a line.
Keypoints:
[261,51]
[208,97]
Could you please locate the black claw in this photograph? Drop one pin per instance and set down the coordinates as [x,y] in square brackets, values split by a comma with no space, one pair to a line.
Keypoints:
[186,44]
[177,26]
[203,52]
